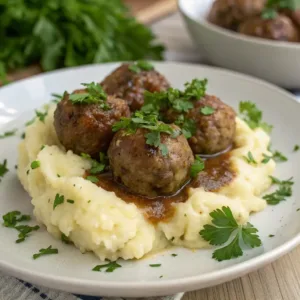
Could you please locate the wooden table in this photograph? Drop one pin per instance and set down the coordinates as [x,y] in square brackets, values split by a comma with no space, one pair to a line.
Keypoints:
[277,281]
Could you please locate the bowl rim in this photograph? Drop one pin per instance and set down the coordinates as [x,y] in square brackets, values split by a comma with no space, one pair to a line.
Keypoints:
[235,35]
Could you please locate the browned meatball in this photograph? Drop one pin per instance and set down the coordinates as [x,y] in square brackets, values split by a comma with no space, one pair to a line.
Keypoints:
[280,28]
[230,13]
[214,132]
[143,168]
[130,86]
[87,128]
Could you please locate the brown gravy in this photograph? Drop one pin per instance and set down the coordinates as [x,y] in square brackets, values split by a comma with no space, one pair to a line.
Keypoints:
[218,172]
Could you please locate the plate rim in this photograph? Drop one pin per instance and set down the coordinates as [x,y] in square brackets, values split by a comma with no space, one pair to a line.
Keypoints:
[155,287]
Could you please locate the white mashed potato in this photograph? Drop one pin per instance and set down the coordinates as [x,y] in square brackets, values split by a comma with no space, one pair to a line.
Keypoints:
[101,222]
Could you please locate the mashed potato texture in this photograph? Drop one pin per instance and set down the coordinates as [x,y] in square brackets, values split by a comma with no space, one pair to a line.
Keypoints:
[101,222]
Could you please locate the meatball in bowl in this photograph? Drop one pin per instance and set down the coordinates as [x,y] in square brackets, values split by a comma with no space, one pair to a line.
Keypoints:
[247,36]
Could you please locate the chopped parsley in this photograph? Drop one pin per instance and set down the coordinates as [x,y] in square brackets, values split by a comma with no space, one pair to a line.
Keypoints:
[197,166]
[71,201]
[140,65]
[273,6]
[94,95]
[97,167]
[155,265]
[65,239]
[207,110]
[42,147]
[174,255]
[296,148]
[8,134]
[35,164]
[271,235]
[279,157]
[46,251]
[225,229]
[56,97]
[24,231]
[3,169]
[188,126]
[148,121]
[298,209]
[41,115]
[250,159]
[59,199]
[266,158]
[284,190]
[110,267]
[12,220]
[93,179]
[253,116]
[23,136]
[161,276]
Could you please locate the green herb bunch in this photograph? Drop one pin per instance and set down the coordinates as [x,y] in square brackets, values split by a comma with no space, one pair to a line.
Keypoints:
[68,33]
[273,6]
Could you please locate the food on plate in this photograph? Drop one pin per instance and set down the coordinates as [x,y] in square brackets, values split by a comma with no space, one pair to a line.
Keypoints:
[83,120]
[230,13]
[131,159]
[129,82]
[268,19]
[214,124]
[281,28]
[149,191]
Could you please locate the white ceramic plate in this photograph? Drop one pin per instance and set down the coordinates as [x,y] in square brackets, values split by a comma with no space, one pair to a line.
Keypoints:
[277,62]
[70,270]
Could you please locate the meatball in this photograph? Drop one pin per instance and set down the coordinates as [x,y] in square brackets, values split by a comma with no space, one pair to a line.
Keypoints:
[87,128]
[130,86]
[214,132]
[144,169]
[280,28]
[230,13]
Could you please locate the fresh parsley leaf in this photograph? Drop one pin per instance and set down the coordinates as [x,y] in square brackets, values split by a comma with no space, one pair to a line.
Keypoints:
[110,267]
[223,227]
[35,164]
[94,95]
[195,89]
[12,218]
[279,157]
[59,199]
[93,179]
[8,134]
[174,255]
[57,97]
[46,251]
[296,148]
[24,231]
[188,126]
[253,116]
[71,201]
[155,265]
[3,169]
[141,119]
[207,110]
[266,158]
[250,159]
[40,115]
[284,191]
[273,6]
[271,235]
[269,13]
[197,166]
[141,65]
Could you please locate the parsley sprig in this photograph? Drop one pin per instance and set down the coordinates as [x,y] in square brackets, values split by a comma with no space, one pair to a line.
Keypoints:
[141,65]
[197,166]
[110,267]
[97,166]
[45,251]
[3,169]
[148,121]
[253,116]
[94,95]
[250,159]
[59,199]
[188,126]
[284,190]
[225,228]
[273,6]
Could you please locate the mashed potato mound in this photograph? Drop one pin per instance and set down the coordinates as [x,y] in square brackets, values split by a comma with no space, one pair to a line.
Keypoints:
[101,222]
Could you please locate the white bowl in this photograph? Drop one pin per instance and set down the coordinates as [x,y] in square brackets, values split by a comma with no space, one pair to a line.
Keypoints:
[277,62]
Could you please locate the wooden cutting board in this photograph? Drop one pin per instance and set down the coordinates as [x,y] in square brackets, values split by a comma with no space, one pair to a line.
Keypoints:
[146,11]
